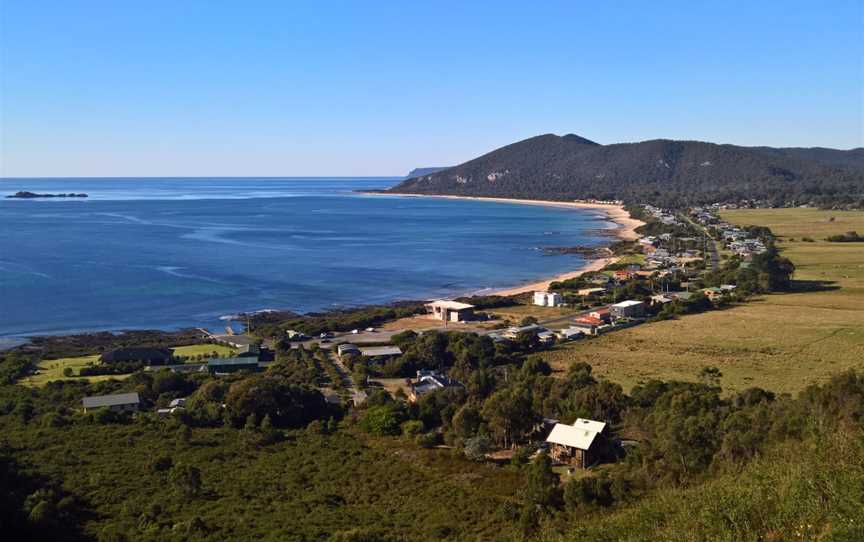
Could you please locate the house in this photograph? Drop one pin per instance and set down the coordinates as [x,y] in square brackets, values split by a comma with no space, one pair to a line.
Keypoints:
[603,313]
[347,349]
[570,333]
[427,382]
[572,444]
[450,311]
[546,337]
[713,294]
[622,275]
[514,332]
[151,356]
[588,325]
[660,299]
[628,309]
[381,351]
[548,299]
[591,292]
[223,366]
[120,402]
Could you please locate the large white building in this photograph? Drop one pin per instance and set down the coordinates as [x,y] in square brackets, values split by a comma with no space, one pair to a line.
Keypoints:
[548,299]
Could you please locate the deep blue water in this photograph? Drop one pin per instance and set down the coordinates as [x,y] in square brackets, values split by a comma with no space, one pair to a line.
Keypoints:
[167,253]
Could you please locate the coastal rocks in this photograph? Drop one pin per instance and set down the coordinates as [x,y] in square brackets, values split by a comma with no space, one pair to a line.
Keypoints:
[593,253]
[32,195]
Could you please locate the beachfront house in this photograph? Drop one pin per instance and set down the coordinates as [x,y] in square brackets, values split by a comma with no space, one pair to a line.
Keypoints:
[450,311]
[574,444]
[628,309]
[119,402]
[548,299]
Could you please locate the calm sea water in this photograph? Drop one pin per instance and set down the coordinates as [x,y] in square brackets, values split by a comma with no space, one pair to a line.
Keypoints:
[168,253]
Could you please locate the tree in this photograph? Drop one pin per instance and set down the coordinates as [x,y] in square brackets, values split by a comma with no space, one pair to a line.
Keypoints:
[382,420]
[509,414]
[541,484]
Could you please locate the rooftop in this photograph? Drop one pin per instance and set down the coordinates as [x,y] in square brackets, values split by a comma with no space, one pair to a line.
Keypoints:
[451,305]
[628,303]
[579,435]
[97,401]
[373,351]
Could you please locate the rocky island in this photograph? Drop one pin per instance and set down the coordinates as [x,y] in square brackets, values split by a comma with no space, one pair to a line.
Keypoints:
[32,195]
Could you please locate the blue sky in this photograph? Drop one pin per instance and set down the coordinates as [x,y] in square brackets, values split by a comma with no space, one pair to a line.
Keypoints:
[143,88]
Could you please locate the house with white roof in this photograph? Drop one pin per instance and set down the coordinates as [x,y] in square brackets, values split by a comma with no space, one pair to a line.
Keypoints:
[572,444]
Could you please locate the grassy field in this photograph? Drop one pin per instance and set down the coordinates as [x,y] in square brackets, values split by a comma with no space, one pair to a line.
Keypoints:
[52,369]
[781,342]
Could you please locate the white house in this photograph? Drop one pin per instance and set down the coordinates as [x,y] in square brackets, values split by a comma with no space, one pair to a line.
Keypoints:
[547,299]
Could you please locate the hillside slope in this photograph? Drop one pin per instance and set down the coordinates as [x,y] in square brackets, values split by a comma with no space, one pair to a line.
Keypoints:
[661,171]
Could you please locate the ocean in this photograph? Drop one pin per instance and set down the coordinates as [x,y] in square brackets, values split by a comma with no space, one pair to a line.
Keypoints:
[170,253]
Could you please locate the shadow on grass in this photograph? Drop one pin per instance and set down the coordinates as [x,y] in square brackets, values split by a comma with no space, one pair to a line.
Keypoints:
[799,286]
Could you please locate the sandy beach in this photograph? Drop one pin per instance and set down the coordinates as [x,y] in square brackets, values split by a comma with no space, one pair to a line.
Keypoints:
[615,213]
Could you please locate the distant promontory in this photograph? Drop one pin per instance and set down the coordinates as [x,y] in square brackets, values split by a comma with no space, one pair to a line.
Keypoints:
[33,195]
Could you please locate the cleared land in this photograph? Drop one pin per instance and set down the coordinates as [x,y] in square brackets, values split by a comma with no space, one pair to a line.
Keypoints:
[52,369]
[781,342]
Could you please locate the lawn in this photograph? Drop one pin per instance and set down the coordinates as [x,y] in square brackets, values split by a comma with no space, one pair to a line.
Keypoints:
[781,342]
[52,369]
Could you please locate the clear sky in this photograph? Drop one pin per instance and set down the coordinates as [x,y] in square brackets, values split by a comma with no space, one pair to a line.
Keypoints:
[178,87]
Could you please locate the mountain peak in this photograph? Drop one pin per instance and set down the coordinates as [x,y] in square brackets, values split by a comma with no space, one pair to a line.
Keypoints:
[578,139]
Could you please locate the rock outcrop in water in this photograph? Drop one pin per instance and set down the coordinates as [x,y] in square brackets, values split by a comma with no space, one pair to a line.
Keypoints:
[32,195]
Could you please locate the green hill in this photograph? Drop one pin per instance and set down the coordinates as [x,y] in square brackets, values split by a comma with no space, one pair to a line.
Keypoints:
[660,171]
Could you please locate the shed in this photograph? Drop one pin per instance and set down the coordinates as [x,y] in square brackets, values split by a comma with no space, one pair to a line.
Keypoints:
[120,402]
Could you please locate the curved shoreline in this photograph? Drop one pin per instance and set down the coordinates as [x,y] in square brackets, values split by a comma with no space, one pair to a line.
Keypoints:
[614,213]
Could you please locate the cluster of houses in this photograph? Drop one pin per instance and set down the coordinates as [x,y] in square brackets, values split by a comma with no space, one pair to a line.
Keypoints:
[739,241]
[663,216]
